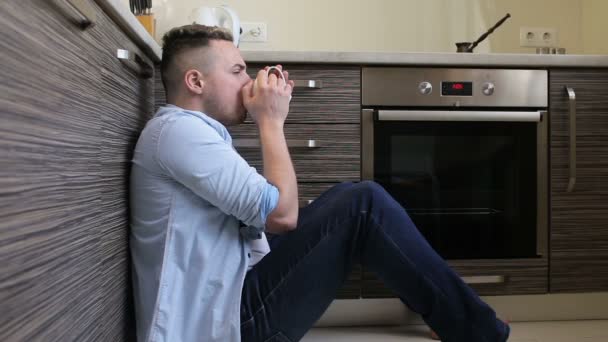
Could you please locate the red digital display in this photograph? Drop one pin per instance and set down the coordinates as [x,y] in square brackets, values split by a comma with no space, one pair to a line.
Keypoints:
[459,88]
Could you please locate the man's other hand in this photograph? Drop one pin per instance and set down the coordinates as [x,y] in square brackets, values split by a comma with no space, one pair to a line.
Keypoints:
[267,97]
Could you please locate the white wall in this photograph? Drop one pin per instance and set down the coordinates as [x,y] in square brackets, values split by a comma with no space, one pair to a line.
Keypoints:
[404,25]
[595,26]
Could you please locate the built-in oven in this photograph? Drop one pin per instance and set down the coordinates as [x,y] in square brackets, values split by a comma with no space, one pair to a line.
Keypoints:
[464,151]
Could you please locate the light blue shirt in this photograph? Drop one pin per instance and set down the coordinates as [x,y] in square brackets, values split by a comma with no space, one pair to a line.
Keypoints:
[189,190]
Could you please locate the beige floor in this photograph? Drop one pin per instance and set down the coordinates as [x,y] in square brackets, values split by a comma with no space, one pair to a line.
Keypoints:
[551,331]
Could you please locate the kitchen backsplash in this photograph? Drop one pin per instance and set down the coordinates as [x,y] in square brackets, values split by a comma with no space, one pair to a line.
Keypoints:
[404,25]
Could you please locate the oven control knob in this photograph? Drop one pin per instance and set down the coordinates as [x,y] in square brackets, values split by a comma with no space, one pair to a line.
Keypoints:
[488,88]
[425,88]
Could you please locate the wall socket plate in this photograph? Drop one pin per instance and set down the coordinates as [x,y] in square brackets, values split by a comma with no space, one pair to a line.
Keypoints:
[254,32]
[538,36]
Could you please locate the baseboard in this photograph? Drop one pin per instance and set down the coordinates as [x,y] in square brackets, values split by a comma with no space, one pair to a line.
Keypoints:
[525,308]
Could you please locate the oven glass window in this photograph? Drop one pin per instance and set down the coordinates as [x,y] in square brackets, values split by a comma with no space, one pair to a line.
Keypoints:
[470,187]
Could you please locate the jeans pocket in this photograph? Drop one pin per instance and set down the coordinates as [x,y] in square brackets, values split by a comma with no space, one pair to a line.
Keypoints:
[278,337]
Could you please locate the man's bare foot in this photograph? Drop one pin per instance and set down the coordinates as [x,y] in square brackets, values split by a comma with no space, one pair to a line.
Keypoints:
[433,335]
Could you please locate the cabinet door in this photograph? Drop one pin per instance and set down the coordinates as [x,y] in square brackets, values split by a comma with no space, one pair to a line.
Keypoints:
[50,189]
[579,218]
[126,104]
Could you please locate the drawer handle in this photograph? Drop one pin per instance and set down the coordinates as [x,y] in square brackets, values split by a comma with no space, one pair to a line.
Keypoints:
[85,11]
[255,143]
[309,84]
[132,59]
[304,203]
[484,279]
[572,115]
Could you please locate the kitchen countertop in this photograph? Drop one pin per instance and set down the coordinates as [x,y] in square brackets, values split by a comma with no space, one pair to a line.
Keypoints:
[121,14]
[429,58]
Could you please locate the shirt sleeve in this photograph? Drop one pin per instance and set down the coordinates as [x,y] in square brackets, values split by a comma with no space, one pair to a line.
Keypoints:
[195,155]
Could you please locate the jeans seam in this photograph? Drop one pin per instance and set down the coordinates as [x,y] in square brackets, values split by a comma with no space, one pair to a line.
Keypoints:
[264,301]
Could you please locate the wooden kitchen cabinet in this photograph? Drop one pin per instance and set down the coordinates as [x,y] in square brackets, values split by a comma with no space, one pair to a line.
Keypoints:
[71,113]
[579,218]
[128,103]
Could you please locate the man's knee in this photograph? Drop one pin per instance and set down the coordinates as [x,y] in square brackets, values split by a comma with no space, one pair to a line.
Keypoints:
[369,190]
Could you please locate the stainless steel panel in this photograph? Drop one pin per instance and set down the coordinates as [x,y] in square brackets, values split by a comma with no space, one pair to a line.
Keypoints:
[572,139]
[453,115]
[542,185]
[384,86]
[367,144]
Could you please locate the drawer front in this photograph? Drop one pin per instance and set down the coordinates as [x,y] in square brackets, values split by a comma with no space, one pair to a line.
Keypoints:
[308,192]
[337,157]
[486,277]
[335,97]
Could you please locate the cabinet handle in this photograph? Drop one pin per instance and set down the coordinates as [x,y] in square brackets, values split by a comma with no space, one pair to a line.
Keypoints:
[304,203]
[255,143]
[309,84]
[572,115]
[132,59]
[85,11]
[484,279]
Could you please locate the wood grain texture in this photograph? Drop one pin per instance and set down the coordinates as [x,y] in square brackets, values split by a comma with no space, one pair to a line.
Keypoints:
[160,98]
[50,188]
[522,276]
[338,158]
[128,104]
[339,99]
[579,219]
[70,117]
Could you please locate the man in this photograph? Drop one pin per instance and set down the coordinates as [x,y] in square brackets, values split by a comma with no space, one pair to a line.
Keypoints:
[203,268]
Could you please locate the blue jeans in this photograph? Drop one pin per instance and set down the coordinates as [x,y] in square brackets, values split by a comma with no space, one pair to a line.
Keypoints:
[289,289]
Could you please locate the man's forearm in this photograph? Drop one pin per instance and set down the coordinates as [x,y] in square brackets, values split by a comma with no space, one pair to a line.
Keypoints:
[279,171]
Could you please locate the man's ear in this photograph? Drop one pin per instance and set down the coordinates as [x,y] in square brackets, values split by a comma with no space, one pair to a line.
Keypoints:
[194,81]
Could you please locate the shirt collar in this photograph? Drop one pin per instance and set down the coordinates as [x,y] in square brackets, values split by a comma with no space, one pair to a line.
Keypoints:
[216,125]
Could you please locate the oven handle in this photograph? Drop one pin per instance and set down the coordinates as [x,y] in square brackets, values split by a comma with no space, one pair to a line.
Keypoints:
[457,115]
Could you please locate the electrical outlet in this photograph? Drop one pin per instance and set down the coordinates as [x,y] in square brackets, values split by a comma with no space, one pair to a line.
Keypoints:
[538,36]
[254,32]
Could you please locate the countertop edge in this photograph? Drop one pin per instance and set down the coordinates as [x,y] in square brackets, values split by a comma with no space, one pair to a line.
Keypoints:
[430,59]
[134,29]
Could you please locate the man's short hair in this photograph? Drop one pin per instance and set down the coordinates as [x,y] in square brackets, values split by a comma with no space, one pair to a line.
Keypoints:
[184,38]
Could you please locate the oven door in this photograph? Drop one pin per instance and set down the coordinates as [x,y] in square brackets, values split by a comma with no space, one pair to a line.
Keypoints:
[473,182]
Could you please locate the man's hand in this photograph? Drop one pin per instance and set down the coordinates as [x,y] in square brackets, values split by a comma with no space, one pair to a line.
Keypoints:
[267,97]
[267,100]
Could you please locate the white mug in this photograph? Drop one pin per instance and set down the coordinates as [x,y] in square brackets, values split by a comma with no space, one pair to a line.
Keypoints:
[280,73]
